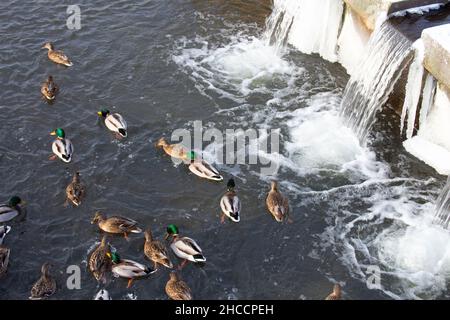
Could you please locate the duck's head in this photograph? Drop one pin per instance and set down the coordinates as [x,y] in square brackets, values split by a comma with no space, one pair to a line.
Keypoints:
[59,133]
[48,46]
[191,156]
[45,269]
[114,256]
[161,142]
[231,184]
[172,230]
[148,235]
[174,275]
[274,185]
[103,113]
[97,217]
[14,201]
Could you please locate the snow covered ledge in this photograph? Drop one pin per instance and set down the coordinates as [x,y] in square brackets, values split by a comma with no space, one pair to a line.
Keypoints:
[432,142]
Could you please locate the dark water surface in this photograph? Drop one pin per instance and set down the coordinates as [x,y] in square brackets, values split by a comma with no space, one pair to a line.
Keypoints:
[164,64]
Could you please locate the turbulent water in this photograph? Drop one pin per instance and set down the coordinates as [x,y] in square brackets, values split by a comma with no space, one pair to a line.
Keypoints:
[164,65]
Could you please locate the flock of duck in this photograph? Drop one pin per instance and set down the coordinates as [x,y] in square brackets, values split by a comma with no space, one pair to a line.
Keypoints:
[104,258]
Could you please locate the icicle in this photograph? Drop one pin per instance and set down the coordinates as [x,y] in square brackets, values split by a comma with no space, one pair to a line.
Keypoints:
[429,90]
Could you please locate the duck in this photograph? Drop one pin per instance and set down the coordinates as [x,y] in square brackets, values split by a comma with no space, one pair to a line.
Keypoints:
[4,230]
[45,286]
[128,269]
[49,89]
[114,122]
[203,169]
[57,56]
[177,289]
[336,294]
[103,294]
[11,209]
[99,261]
[75,191]
[184,248]
[4,260]
[116,224]
[156,251]
[62,147]
[277,204]
[230,204]
[176,151]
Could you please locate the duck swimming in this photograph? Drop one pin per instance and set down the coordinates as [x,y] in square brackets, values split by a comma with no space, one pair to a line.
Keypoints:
[11,209]
[114,122]
[336,294]
[128,269]
[49,89]
[99,261]
[177,289]
[116,224]
[45,286]
[75,191]
[184,247]
[230,204]
[176,151]
[156,251]
[203,169]
[62,147]
[57,56]
[277,204]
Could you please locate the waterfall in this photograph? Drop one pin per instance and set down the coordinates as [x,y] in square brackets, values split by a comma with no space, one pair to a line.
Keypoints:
[413,89]
[373,80]
[309,25]
[442,216]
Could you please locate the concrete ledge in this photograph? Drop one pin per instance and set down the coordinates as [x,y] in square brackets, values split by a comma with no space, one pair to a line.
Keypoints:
[369,10]
[437,52]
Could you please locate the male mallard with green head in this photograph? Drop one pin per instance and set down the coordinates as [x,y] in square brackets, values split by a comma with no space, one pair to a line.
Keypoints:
[203,169]
[75,191]
[116,224]
[184,248]
[114,122]
[128,269]
[230,204]
[177,289]
[62,147]
[99,261]
[45,286]
[57,56]
[49,89]
[11,209]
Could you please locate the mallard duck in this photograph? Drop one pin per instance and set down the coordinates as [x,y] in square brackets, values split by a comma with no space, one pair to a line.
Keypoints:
[49,89]
[203,169]
[336,294]
[128,269]
[62,147]
[11,209]
[114,122]
[75,191]
[177,289]
[4,260]
[4,230]
[116,224]
[102,295]
[45,286]
[99,261]
[277,204]
[57,56]
[230,204]
[156,251]
[184,247]
[174,150]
